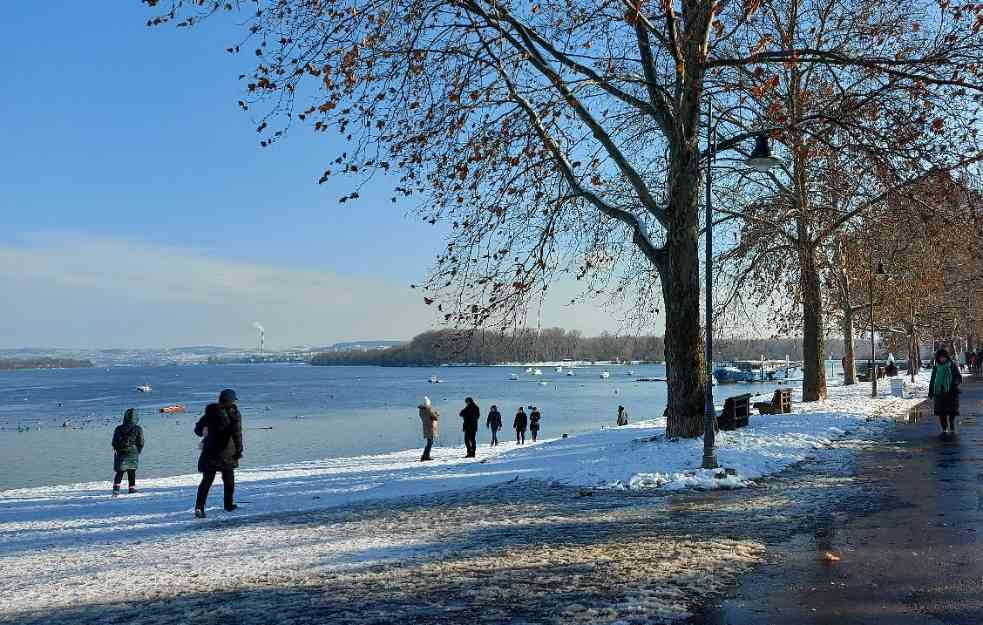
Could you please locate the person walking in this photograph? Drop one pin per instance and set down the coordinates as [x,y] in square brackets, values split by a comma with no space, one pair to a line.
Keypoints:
[943,389]
[622,416]
[428,418]
[534,418]
[471,414]
[221,449]
[127,446]
[494,423]
[519,424]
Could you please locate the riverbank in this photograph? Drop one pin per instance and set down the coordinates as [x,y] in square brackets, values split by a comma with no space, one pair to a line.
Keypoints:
[571,525]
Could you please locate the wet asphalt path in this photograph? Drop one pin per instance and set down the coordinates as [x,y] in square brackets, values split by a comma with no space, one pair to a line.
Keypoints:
[917,558]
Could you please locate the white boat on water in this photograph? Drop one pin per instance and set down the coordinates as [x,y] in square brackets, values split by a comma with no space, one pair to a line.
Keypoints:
[528,369]
[537,372]
[569,374]
[514,376]
[145,388]
[605,374]
[434,380]
[630,372]
[558,369]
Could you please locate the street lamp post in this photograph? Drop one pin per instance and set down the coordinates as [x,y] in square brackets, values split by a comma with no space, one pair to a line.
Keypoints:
[761,160]
[709,412]
[875,270]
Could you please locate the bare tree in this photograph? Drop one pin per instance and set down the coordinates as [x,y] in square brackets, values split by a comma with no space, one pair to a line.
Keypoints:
[555,137]
[853,135]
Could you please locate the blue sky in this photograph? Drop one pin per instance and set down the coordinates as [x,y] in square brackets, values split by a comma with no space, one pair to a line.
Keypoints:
[122,142]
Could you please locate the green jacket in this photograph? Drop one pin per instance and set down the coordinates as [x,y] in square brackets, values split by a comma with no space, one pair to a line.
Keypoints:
[127,442]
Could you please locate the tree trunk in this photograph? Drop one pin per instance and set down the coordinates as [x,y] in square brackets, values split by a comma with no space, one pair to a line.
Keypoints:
[813,370]
[679,273]
[914,358]
[849,355]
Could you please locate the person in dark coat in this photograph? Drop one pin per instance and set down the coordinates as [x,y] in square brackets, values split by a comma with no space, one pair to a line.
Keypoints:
[471,414]
[494,423]
[943,389]
[623,415]
[534,418]
[127,445]
[519,424]
[221,449]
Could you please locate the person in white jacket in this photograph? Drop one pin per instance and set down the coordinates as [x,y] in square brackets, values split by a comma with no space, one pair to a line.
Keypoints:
[428,419]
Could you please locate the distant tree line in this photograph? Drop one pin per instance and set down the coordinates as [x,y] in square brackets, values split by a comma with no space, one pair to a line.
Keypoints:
[549,345]
[43,363]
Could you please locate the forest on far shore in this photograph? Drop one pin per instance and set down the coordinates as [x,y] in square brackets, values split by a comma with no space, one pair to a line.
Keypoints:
[552,345]
[7,364]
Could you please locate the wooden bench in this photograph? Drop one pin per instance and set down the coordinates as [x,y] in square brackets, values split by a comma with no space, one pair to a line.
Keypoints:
[781,403]
[737,411]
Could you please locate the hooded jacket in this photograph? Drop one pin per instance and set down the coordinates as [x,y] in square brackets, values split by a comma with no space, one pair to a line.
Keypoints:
[222,428]
[428,419]
[127,442]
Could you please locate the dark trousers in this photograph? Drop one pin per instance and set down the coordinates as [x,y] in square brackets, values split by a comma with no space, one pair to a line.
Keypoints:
[131,477]
[494,440]
[228,483]
[948,422]
[471,442]
[426,450]
[520,437]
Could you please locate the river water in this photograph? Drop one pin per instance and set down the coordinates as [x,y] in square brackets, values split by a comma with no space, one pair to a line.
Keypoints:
[291,413]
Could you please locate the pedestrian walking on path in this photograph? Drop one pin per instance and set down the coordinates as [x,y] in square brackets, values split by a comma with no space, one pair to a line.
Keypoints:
[622,416]
[428,418]
[127,446]
[943,389]
[494,423]
[534,418]
[221,449]
[471,414]
[519,424]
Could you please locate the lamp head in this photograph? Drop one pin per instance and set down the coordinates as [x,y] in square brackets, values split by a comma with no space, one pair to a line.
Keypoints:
[761,158]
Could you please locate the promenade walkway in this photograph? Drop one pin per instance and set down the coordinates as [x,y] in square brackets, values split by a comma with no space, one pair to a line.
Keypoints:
[917,561]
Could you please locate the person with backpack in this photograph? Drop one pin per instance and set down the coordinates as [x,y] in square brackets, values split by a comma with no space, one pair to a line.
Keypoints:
[428,418]
[519,425]
[470,415]
[534,418]
[494,423]
[221,449]
[943,389]
[127,446]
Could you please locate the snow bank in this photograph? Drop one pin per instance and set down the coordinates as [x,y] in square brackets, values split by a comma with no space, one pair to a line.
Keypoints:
[632,457]
[74,545]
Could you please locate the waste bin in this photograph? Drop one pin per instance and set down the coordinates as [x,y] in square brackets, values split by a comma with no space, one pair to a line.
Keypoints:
[897,387]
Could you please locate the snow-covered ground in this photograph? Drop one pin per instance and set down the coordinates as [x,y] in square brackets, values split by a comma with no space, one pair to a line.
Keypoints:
[70,545]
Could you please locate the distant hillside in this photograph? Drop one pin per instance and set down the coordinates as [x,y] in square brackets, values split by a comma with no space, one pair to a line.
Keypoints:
[360,346]
[43,363]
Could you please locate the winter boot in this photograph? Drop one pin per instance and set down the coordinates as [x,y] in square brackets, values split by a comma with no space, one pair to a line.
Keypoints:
[115,490]
[200,513]
[231,508]
[133,489]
